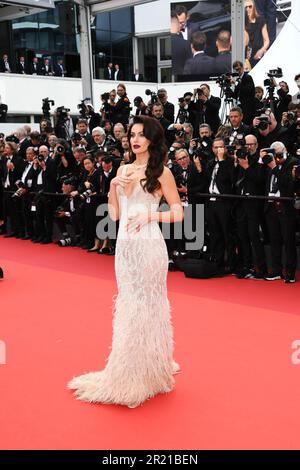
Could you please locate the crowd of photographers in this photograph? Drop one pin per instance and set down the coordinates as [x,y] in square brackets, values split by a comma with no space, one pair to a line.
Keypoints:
[245,170]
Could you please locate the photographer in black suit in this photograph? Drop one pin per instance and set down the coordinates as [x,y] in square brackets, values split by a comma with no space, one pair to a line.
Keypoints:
[244,92]
[281,215]
[250,180]
[205,108]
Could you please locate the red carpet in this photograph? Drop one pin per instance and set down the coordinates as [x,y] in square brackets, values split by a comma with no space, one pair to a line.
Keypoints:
[238,388]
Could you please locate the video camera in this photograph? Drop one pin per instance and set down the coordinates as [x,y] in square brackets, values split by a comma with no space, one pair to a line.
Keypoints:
[276,73]
[62,113]
[83,111]
[153,94]
[46,106]
[224,80]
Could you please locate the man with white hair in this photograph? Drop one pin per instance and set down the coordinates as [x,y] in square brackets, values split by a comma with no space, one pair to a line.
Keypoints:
[281,215]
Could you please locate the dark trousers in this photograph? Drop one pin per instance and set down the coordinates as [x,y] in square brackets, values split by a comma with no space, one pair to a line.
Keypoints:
[247,220]
[44,217]
[282,230]
[220,234]
[267,9]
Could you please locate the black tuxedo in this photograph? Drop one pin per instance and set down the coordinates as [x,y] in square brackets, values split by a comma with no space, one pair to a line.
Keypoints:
[59,70]
[169,111]
[107,75]
[181,52]
[34,69]
[200,64]
[245,93]
[21,68]
[46,71]
[119,76]
[3,69]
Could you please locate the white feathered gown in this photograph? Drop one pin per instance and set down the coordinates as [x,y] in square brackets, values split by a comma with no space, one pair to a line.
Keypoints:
[140,364]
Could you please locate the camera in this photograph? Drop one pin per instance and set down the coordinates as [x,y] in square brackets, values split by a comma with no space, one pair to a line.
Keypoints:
[62,112]
[46,106]
[270,153]
[230,149]
[41,158]
[264,123]
[153,94]
[290,115]
[83,111]
[239,140]
[276,73]
[12,138]
[180,133]
[60,149]
[242,153]
[65,242]
[86,194]
[76,137]
[20,185]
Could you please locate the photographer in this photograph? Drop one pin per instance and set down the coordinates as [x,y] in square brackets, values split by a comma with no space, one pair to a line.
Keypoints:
[99,136]
[141,108]
[42,205]
[121,111]
[157,113]
[87,189]
[63,158]
[280,215]
[168,108]
[63,123]
[237,124]
[206,108]
[202,146]
[284,99]
[267,130]
[244,92]
[12,168]
[66,216]
[183,113]
[86,138]
[22,197]
[250,179]
[220,181]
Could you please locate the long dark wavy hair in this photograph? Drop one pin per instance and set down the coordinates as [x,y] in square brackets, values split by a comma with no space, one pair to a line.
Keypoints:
[154,132]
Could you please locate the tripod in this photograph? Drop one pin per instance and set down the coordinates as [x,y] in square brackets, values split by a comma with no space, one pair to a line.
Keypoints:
[225,110]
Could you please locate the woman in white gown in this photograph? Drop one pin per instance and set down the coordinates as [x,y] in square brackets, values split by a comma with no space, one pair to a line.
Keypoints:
[140,364]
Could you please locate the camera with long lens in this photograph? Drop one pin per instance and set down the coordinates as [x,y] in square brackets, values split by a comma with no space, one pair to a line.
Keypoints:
[153,94]
[224,80]
[275,73]
[12,138]
[20,185]
[65,242]
[270,154]
[60,149]
[41,158]
[180,133]
[46,106]
[86,194]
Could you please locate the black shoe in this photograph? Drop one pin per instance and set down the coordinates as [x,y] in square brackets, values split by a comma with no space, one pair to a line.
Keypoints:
[244,274]
[111,251]
[1,273]
[259,276]
[273,277]
[290,279]
[46,241]
[105,250]
[10,235]
[26,237]
[37,239]
[172,265]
